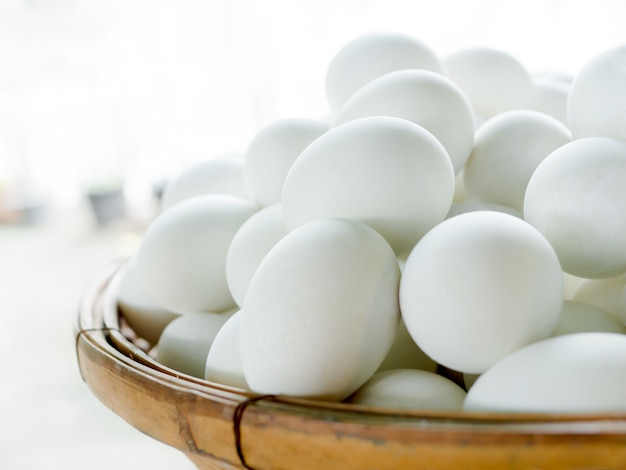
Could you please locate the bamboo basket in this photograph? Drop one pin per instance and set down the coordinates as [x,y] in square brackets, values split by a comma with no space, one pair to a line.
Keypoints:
[220,427]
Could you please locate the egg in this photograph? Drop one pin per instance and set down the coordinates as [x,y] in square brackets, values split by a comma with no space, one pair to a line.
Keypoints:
[271,153]
[386,172]
[549,96]
[321,311]
[185,342]
[579,317]
[576,373]
[474,205]
[222,174]
[253,240]
[596,102]
[143,315]
[425,98]
[410,389]
[507,150]
[577,198]
[223,362]
[477,287]
[493,80]
[608,294]
[372,55]
[181,262]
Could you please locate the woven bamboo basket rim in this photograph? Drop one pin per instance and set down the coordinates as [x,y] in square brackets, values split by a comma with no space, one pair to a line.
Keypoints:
[218,426]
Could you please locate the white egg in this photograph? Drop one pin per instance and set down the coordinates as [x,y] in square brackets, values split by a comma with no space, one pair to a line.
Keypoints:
[607,294]
[185,342]
[253,240]
[321,311]
[478,205]
[223,363]
[405,354]
[493,80]
[370,56]
[143,315]
[579,317]
[507,150]
[272,152]
[426,98]
[596,105]
[577,198]
[410,389]
[549,96]
[386,172]
[218,175]
[181,261]
[577,373]
[477,287]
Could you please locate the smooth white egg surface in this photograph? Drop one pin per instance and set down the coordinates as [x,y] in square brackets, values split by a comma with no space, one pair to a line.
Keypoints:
[493,80]
[549,96]
[479,286]
[507,150]
[579,317]
[223,362]
[185,342]
[386,172]
[271,153]
[253,240]
[143,315]
[576,373]
[425,98]
[181,261]
[321,311]
[410,389]
[370,56]
[218,175]
[577,198]
[596,104]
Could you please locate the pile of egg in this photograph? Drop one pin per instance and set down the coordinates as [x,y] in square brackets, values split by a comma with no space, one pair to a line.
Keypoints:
[451,214]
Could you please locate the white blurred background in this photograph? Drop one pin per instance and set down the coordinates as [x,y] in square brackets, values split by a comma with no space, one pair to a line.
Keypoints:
[105,94]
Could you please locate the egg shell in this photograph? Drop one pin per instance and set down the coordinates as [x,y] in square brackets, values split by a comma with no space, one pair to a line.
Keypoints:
[222,174]
[143,315]
[253,240]
[386,172]
[371,55]
[185,342]
[579,317]
[577,198]
[596,103]
[507,150]
[577,373]
[478,205]
[479,286]
[607,294]
[549,96]
[493,80]
[425,98]
[181,260]
[271,153]
[410,389]
[223,362]
[321,311]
